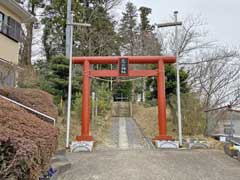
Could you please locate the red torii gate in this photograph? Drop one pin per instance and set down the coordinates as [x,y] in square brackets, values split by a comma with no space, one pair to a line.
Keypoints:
[88,72]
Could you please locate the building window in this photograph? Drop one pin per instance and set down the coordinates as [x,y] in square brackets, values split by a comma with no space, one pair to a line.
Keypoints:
[14,29]
[1,21]
[10,27]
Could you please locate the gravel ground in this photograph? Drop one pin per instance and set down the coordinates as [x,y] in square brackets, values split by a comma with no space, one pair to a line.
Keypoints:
[153,165]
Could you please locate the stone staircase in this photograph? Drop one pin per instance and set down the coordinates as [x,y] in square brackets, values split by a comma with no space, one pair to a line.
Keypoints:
[121,109]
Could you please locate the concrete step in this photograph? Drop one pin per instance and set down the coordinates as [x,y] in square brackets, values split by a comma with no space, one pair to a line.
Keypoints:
[120,109]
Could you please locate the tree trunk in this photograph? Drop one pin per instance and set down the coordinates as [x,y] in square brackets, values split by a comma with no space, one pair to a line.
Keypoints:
[27,46]
[207,128]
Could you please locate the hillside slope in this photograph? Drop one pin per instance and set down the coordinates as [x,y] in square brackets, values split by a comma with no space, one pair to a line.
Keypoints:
[26,142]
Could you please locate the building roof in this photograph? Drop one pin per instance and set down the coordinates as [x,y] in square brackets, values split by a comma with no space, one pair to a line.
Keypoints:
[23,14]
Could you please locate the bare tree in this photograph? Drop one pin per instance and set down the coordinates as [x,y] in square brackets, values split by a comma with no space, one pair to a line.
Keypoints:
[192,38]
[213,69]
[215,76]
[32,7]
[110,4]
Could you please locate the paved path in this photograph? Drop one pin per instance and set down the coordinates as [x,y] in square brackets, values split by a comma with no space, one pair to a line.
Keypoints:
[126,134]
[123,137]
[153,165]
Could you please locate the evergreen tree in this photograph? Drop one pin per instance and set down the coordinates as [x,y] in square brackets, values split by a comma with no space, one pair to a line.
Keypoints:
[122,89]
[170,84]
[149,42]
[145,23]
[53,77]
[128,29]
[54,28]
[151,46]
[146,33]
[99,39]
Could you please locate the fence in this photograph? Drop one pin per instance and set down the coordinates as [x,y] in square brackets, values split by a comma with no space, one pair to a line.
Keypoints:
[223,121]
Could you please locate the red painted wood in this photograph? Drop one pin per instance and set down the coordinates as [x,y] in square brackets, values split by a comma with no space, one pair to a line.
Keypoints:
[163,137]
[115,73]
[85,104]
[162,122]
[132,59]
[142,73]
[104,73]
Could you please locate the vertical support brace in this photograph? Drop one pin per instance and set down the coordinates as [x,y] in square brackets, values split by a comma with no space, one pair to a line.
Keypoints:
[85,136]
[162,122]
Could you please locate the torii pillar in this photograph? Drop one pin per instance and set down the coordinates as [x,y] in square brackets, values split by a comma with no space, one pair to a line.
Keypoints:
[85,135]
[162,117]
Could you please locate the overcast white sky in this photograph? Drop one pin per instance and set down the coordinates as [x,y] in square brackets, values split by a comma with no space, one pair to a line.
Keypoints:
[222,16]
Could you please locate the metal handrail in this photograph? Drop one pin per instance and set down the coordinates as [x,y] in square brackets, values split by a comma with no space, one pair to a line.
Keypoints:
[30,109]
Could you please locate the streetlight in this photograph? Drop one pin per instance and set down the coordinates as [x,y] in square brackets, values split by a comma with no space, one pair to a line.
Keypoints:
[69,40]
[176,24]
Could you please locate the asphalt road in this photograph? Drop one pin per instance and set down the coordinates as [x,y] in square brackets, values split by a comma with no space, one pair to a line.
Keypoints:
[131,159]
[142,164]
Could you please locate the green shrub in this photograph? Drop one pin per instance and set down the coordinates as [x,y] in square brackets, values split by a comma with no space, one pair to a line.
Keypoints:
[104,96]
[103,100]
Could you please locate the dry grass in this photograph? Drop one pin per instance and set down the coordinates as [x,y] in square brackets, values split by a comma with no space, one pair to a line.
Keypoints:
[75,127]
[102,126]
[100,129]
[215,144]
[147,118]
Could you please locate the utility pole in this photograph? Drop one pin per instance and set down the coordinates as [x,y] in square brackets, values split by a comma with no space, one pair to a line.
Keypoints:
[68,28]
[178,82]
[111,82]
[69,33]
[69,40]
[93,108]
[176,24]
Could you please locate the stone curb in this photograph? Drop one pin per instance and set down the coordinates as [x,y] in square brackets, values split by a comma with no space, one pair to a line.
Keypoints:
[60,163]
[60,167]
